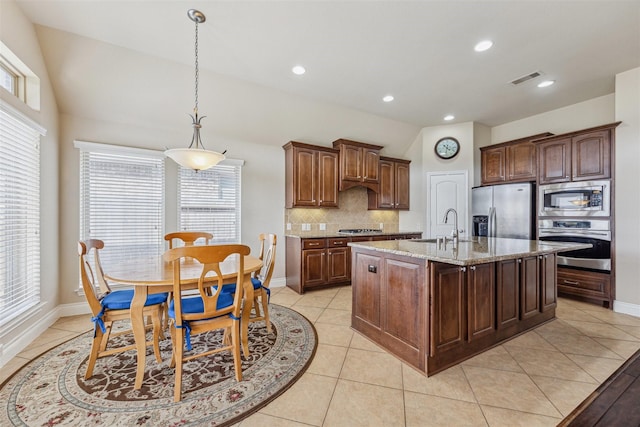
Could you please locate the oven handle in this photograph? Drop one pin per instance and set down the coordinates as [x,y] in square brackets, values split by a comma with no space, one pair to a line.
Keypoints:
[603,235]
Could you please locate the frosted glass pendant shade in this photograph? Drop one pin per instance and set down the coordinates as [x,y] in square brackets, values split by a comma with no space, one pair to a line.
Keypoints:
[195,158]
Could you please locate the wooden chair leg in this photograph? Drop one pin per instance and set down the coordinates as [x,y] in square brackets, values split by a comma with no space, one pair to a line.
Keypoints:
[235,340]
[105,336]
[172,363]
[178,349]
[93,356]
[265,309]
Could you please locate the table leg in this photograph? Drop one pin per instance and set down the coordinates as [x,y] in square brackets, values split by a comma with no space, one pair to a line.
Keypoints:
[246,314]
[139,332]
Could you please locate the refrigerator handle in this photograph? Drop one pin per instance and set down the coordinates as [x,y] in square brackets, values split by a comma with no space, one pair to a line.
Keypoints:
[492,222]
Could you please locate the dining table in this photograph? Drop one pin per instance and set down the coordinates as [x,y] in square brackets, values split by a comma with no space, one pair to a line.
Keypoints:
[151,274]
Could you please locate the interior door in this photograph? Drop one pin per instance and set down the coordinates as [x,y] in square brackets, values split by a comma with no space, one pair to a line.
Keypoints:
[447,190]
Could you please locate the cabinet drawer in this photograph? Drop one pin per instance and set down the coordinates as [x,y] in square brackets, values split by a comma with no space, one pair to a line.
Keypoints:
[313,243]
[584,283]
[337,242]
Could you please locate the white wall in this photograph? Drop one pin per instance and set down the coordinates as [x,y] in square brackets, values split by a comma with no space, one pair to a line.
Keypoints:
[594,112]
[18,35]
[627,110]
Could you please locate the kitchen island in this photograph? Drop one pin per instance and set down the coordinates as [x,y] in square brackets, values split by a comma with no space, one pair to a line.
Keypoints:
[434,305]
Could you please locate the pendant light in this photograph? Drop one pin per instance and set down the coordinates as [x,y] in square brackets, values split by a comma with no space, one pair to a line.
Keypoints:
[195,157]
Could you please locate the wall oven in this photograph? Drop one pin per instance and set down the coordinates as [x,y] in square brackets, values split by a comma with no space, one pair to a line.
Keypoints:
[584,198]
[596,232]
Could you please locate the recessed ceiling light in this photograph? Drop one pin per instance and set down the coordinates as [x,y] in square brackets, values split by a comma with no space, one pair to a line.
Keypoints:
[546,83]
[449,117]
[388,98]
[299,70]
[483,45]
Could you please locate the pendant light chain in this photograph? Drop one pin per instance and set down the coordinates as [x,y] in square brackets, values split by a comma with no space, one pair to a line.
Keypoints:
[195,110]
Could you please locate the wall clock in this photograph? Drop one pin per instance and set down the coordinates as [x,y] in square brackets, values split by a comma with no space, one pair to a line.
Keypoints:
[447,147]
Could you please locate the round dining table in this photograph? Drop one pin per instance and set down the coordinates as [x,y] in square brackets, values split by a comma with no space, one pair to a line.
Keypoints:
[150,275]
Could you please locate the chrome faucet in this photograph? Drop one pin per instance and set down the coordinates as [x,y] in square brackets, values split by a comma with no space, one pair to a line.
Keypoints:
[455,231]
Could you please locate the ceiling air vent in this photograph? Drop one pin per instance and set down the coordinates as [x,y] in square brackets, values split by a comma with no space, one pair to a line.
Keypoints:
[526,77]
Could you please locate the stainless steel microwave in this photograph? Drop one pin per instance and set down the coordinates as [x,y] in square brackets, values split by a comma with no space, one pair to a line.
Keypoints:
[584,198]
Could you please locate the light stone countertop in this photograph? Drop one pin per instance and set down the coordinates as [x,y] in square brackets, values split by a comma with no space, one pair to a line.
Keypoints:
[335,235]
[478,250]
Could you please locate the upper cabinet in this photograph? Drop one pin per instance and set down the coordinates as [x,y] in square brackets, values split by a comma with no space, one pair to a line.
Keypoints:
[394,185]
[311,176]
[576,156]
[511,161]
[359,164]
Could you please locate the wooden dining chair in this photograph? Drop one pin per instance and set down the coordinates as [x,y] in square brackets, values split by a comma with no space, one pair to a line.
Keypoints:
[188,237]
[261,280]
[111,306]
[210,310]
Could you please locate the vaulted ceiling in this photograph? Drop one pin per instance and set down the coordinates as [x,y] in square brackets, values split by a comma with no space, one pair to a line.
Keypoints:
[355,52]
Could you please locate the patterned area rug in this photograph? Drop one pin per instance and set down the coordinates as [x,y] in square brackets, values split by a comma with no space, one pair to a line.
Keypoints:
[51,389]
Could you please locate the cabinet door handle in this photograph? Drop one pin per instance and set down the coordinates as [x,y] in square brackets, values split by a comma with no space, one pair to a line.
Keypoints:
[463,269]
[473,268]
[519,261]
[314,244]
[570,282]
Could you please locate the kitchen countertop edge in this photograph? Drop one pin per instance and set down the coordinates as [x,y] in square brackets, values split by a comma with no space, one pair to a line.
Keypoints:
[478,251]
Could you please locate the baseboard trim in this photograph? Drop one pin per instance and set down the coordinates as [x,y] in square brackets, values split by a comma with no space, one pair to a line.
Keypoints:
[626,308]
[30,333]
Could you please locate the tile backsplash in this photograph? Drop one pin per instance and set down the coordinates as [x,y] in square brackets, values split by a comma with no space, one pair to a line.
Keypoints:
[352,213]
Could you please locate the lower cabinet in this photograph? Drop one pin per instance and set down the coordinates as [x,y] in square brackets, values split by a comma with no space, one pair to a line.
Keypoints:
[313,263]
[389,303]
[586,284]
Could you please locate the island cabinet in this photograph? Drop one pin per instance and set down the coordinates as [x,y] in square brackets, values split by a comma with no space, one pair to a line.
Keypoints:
[511,161]
[435,314]
[389,303]
[359,164]
[311,176]
[394,185]
[577,156]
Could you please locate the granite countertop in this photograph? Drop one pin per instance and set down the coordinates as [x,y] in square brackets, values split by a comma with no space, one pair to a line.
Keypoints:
[478,250]
[332,235]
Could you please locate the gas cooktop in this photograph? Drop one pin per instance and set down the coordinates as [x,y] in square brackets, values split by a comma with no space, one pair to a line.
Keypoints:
[358,230]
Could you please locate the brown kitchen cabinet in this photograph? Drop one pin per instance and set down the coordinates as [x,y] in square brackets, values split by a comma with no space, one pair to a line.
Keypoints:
[359,164]
[380,303]
[448,308]
[311,176]
[508,293]
[481,300]
[317,262]
[394,185]
[548,278]
[529,287]
[511,161]
[577,156]
[586,284]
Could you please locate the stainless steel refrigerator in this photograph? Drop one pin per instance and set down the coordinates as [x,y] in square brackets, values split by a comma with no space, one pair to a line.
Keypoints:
[505,210]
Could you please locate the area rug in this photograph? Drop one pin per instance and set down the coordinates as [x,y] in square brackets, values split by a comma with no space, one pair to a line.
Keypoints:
[51,389]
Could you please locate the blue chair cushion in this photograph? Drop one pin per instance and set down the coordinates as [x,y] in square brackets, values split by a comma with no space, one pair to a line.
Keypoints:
[121,300]
[231,288]
[196,305]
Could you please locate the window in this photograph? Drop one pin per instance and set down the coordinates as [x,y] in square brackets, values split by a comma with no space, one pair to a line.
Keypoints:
[122,200]
[18,79]
[8,79]
[209,200]
[19,213]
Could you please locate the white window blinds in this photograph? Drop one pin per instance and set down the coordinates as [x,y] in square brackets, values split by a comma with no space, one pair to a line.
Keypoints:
[209,200]
[122,201]
[19,213]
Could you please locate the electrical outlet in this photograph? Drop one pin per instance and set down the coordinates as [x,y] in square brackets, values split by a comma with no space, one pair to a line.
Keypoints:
[381,226]
[306,227]
[323,226]
[288,226]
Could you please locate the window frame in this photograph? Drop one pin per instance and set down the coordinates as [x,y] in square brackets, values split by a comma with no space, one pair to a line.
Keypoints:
[27,202]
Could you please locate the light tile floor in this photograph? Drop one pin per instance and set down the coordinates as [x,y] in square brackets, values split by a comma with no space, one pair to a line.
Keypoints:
[535,379]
